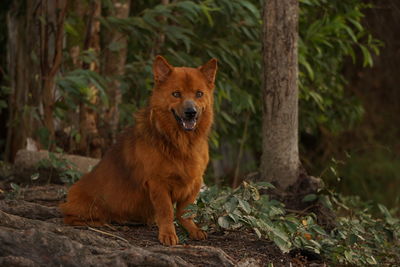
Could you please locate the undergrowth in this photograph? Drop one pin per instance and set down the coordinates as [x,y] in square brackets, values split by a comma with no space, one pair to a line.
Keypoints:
[66,170]
[357,237]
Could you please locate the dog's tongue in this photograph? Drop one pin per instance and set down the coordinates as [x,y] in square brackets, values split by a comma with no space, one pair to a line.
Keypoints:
[189,124]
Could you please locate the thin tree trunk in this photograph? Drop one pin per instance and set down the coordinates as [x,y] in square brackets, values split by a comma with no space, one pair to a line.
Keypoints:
[52,36]
[114,66]
[280,159]
[90,143]
[159,41]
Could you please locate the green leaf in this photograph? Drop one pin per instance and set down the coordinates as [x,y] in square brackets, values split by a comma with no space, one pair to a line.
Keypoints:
[351,33]
[206,12]
[315,246]
[15,187]
[258,233]
[227,117]
[255,11]
[224,222]
[348,256]
[318,229]
[325,200]
[310,197]
[70,29]
[35,176]
[278,231]
[234,217]
[231,205]
[282,244]
[371,260]
[384,210]
[245,206]
[352,239]
[307,66]
[291,226]
[264,185]
[367,57]
[274,211]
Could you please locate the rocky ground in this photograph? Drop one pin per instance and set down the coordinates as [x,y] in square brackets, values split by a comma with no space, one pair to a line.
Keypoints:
[32,234]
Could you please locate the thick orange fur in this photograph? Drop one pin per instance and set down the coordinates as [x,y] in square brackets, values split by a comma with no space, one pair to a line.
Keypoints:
[154,164]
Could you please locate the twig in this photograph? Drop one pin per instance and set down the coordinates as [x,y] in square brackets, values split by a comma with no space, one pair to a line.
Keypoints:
[300,211]
[109,234]
[109,226]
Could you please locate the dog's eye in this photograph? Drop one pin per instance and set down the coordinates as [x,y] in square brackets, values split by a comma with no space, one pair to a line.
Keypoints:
[199,94]
[176,94]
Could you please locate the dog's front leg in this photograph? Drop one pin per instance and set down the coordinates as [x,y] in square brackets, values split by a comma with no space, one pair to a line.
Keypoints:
[194,231]
[164,213]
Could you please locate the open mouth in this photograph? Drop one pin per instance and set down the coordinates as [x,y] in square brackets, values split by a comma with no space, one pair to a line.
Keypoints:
[188,124]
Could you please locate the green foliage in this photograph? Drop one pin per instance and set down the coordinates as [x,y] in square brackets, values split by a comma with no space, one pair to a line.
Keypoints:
[194,31]
[357,238]
[372,174]
[66,169]
[75,89]
[15,191]
[330,32]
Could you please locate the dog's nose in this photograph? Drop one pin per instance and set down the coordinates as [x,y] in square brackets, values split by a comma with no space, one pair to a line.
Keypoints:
[190,112]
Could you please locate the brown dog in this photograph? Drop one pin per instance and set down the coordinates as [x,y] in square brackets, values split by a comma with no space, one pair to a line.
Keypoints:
[158,162]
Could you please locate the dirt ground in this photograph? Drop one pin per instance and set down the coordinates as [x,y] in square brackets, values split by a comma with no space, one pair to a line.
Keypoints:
[38,203]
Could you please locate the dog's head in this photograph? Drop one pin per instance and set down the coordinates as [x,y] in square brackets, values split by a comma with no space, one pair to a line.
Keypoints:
[183,94]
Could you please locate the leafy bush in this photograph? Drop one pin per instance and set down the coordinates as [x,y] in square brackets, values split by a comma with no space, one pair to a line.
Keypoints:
[357,238]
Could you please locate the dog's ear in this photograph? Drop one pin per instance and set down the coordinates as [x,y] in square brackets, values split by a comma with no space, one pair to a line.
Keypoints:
[161,69]
[209,70]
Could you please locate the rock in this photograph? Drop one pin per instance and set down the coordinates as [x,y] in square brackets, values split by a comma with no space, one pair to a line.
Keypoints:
[26,159]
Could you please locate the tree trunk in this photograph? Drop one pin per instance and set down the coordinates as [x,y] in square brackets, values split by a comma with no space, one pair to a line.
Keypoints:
[51,42]
[90,143]
[114,66]
[280,162]
[160,40]
[24,98]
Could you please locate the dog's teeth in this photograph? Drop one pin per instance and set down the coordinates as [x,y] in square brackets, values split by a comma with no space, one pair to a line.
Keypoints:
[189,124]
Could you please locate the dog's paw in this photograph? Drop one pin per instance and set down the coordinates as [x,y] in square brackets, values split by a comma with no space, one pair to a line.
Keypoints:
[198,234]
[168,239]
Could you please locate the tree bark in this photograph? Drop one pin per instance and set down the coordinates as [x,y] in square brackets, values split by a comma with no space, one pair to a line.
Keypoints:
[90,142]
[114,66]
[280,162]
[23,69]
[160,40]
[51,40]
